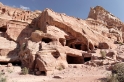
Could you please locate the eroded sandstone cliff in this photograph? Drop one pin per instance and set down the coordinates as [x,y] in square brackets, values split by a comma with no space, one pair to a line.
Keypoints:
[15,25]
[45,41]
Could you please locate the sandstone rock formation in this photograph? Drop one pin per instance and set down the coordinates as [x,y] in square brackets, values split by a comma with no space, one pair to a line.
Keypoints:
[15,25]
[102,17]
[46,41]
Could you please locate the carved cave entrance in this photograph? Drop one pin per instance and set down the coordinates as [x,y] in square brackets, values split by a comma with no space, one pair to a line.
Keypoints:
[46,40]
[56,54]
[43,73]
[86,59]
[3,29]
[13,63]
[74,59]
[3,10]
[77,59]
[76,45]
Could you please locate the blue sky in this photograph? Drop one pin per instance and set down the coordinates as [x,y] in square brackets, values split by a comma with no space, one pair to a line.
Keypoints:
[77,8]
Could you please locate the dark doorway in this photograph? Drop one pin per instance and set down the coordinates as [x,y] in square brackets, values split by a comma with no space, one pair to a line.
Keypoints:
[3,10]
[84,47]
[78,46]
[13,63]
[43,73]
[87,59]
[3,29]
[74,60]
[71,46]
[46,40]
[56,54]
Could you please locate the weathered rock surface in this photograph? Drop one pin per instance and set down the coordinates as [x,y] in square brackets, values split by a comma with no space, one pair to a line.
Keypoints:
[47,41]
[104,17]
[8,50]
[15,25]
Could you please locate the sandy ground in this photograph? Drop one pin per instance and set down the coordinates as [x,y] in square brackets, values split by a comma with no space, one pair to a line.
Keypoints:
[74,73]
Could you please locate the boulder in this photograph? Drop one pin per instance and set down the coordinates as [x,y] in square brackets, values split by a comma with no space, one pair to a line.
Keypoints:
[59,77]
[9,65]
[103,45]
[38,73]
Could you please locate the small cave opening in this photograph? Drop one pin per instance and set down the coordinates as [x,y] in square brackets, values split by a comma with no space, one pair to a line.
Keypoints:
[43,73]
[3,29]
[56,54]
[86,59]
[46,40]
[95,46]
[78,46]
[47,23]
[84,47]
[13,63]
[74,60]
[109,37]
[71,46]
[69,43]
[3,10]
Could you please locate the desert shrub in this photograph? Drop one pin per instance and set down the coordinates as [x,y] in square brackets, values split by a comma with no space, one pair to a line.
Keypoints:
[120,43]
[9,70]
[24,71]
[103,54]
[60,67]
[23,46]
[118,69]
[3,77]
[112,78]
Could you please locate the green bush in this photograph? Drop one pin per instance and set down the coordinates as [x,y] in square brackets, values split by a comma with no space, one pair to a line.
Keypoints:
[103,54]
[3,77]
[118,69]
[23,46]
[118,42]
[9,70]
[60,67]
[24,71]
[112,78]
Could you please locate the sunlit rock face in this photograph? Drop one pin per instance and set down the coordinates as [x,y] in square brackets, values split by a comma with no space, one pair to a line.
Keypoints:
[100,14]
[15,25]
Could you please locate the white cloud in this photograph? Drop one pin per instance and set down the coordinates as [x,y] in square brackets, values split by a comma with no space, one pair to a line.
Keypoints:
[25,8]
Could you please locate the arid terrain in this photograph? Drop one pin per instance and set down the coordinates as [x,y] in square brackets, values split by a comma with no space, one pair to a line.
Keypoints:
[46,46]
[74,73]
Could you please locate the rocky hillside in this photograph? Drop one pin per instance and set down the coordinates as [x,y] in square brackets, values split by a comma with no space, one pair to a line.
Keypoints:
[47,40]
